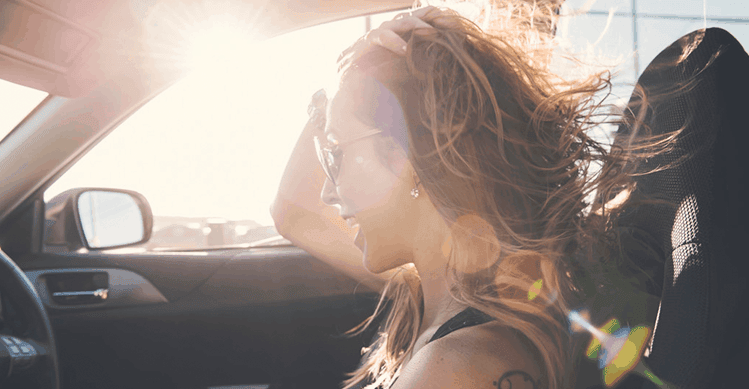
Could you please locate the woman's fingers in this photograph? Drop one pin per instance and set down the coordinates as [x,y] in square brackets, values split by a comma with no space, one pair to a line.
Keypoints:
[387,39]
[403,24]
[387,35]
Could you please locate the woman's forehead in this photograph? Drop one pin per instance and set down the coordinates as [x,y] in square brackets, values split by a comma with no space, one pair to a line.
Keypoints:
[363,101]
[341,118]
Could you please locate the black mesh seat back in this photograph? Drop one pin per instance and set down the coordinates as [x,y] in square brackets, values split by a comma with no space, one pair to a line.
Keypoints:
[700,331]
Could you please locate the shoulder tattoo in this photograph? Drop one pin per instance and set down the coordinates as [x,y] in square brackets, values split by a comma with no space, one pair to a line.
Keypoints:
[510,379]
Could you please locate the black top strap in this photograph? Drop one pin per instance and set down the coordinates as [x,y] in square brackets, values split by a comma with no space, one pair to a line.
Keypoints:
[467,318]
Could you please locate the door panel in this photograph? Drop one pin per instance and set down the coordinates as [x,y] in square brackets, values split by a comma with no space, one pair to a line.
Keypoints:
[258,316]
[173,274]
[92,288]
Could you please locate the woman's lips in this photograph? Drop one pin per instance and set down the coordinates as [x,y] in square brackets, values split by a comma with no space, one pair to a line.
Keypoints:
[351,222]
[359,240]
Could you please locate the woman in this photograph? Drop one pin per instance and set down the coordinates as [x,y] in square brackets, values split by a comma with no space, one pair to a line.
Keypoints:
[462,163]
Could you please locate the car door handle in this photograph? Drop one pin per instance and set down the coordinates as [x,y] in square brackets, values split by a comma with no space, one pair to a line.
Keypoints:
[98,293]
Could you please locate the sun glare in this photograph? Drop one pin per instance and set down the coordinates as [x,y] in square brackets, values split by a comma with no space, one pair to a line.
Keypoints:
[219,139]
[219,46]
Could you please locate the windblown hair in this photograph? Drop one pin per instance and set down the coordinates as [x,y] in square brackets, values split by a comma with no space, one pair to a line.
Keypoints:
[501,146]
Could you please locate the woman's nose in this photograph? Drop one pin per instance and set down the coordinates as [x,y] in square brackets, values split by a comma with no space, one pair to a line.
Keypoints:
[329,195]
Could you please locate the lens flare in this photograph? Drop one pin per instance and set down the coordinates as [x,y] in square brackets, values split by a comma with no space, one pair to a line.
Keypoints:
[575,326]
[627,355]
[535,289]
[618,349]
[595,345]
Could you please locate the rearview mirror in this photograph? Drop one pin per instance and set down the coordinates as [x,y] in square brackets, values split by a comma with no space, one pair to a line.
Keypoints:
[109,219]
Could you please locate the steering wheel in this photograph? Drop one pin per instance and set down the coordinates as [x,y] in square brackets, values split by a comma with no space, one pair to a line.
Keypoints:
[30,359]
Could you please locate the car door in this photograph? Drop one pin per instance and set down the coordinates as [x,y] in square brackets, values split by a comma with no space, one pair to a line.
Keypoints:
[214,298]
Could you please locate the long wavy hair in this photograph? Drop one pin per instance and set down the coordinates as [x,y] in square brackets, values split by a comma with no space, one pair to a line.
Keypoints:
[501,146]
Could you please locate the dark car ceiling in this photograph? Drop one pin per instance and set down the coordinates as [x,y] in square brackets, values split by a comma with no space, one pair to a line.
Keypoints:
[69,47]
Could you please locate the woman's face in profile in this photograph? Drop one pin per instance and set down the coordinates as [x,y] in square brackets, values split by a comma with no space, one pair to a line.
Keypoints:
[372,187]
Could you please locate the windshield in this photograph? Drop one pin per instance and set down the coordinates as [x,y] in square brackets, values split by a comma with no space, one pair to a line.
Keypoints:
[17,101]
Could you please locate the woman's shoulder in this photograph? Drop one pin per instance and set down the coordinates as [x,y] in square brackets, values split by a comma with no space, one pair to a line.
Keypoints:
[496,344]
[482,356]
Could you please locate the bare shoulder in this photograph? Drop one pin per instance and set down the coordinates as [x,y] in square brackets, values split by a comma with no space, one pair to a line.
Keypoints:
[485,356]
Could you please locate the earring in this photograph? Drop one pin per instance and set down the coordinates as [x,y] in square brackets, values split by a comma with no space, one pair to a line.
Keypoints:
[415,190]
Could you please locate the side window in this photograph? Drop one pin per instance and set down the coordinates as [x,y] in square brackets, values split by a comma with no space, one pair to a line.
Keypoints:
[208,153]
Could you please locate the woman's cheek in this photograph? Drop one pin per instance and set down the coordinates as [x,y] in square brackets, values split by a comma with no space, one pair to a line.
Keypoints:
[373,184]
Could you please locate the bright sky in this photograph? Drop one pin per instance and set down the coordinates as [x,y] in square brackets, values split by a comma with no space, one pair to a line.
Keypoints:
[16,102]
[216,143]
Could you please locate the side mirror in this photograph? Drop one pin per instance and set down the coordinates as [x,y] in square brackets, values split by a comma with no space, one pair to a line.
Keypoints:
[110,219]
[97,218]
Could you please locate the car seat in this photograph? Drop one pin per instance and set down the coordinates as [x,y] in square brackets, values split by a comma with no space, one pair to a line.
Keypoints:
[700,336]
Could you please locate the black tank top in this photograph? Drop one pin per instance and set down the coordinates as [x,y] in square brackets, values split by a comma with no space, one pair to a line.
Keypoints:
[468,317]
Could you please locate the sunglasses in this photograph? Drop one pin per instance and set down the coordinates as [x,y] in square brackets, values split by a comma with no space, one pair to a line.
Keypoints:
[329,153]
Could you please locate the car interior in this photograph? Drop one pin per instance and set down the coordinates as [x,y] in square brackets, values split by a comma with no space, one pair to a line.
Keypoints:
[81,307]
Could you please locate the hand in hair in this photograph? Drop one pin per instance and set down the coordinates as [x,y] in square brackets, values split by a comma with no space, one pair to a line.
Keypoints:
[387,34]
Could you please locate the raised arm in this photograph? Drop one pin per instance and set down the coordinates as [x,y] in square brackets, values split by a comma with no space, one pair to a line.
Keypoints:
[300,215]
[298,212]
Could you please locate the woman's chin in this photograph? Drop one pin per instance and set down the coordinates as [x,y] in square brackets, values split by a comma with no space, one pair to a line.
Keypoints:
[373,265]
[361,243]
[370,263]
[379,264]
